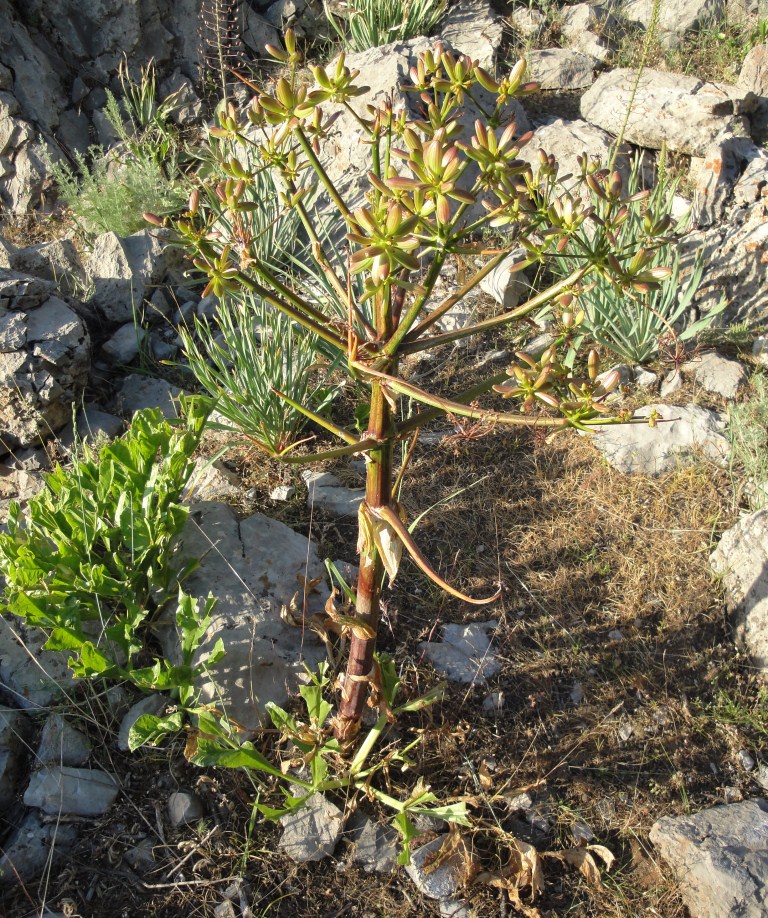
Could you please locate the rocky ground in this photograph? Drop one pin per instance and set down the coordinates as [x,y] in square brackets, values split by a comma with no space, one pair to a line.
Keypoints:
[605,719]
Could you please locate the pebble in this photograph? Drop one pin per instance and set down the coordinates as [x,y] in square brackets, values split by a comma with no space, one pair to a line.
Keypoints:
[184,808]
[745,760]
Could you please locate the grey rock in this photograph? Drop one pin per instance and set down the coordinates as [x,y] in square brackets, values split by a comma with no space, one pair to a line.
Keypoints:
[14,730]
[671,383]
[184,809]
[761,775]
[257,32]
[312,832]
[754,71]
[214,481]
[507,289]
[254,568]
[680,112]
[734,254]
[124,270]
[60,789]
[645,379]
[528,22]
[717,374]
[188,107]
[38,382]
[282,493]
[675,19]
[153,704]
[732,167]
[61,744]
[139,392]
[455,908]
[91,423]
[375,847]
[56,261]
[589,28]
[473,28]
[74,132]
[690,431]
[582,833]
[465,654]
[577,693]
[719,858]
[741,557]
[760,350]
[615,636]
[32,846]
[124,346]
[325,492]
[445,880]
[560,68]
[31,675]
[745,760]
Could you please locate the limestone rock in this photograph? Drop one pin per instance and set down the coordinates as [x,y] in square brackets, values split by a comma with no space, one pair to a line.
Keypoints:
[61,744]
[124,270]
[139,392]
[465,654]
[473,28]
[728,162]
[184,809]
[43,365]
[681,112]
[719,858]
[445,880]
[257,32]
[568,140]
[312,832]
[374,846]
[14,729]
[385,70]
[59,789]
[91,423]
[736,256]
[33,676]
[32,846]
[325,491]
[588,28]
[638,448]
[676,18]
[717,374]
[528,22]
[123,347]
[741,558]
[754,70]
[560,68]
[506,288]
[254,568]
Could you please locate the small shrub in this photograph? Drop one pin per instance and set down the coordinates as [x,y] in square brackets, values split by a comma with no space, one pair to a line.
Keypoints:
[110,196]
[749,437]
[92,561]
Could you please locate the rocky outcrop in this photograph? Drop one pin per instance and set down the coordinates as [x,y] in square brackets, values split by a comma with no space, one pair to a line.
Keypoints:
[682,113]
[44,360]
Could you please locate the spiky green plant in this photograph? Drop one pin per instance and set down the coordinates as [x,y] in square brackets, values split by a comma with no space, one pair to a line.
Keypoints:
[370,23]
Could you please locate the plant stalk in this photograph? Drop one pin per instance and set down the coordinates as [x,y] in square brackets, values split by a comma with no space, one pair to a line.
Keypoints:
[378,493]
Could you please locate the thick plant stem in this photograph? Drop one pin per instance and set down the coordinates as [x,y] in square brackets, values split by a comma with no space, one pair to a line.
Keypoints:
[378,493]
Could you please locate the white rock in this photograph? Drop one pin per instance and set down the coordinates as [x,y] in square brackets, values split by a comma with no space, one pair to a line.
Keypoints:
[688,432]
[32,847]
[560,68]
[282,492]
[473,28]
[669,109]
[717,374]
[741,558]
[506,288]
[139,392]
[528,22]
[446,879]
[675,18]
[671,383]
[645,379]
[760,349]
[465,654]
